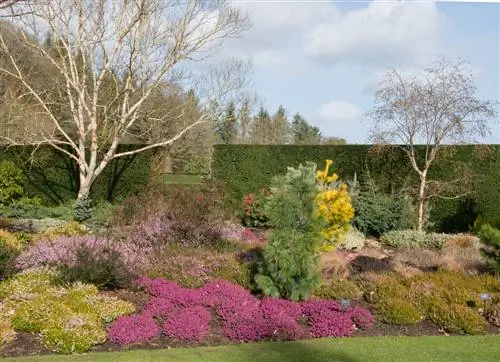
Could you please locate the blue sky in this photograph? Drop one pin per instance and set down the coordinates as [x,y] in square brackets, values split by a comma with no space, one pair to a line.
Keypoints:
[325,58]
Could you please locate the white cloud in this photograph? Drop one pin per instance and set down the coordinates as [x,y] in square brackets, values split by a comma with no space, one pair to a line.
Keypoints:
[382,33]
[339,111]
[277,27]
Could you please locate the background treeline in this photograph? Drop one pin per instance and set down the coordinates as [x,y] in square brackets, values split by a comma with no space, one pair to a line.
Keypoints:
[248,168]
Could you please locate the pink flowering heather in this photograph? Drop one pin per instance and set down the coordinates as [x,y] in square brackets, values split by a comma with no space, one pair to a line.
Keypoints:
[277,307]
[133,329]
[282,327]
[244,327]
[173,293]
[313,306]
[158,307]
[189,324]
[64,251]
[327,323]
[361,317]
[219,292]
[160,287]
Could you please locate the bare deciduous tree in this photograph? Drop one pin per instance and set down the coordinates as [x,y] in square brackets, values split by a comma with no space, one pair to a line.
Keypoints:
[136,46]
[435,107]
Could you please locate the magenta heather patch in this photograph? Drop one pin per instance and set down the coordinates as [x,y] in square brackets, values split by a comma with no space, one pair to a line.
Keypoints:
[313,306]
[283,327]
[162,288]
[220,293]
[249,327]
[271,306]
[242,316]
[133,329]
[189,324]
[158,307]
[361,317]
[328,323]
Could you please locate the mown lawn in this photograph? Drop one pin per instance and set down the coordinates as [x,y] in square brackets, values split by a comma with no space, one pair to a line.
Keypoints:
[372,349]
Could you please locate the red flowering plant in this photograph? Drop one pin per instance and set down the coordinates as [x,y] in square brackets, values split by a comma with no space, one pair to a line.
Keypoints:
[253,213]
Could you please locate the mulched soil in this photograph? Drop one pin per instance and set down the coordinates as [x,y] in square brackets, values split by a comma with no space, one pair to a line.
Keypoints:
[27,344]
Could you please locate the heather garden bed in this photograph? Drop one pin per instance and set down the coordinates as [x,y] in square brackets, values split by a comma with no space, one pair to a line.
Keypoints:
[170,268]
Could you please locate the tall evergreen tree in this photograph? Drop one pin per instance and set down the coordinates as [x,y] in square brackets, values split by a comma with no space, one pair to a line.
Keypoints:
[280,127]
[290,265]
[303,132]
[260,131]
[228,129]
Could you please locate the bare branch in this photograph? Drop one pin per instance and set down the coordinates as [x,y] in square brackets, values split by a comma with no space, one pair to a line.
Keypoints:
[434,107]
[111,58]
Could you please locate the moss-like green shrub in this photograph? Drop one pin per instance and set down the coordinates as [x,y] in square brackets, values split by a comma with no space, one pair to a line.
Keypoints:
[456,318]
[338,289]
[450,300]
[68,319]
[396,310]
[413,239]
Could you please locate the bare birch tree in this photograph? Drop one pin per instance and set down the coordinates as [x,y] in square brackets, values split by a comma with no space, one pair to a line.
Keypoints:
[137,46]
[437,107]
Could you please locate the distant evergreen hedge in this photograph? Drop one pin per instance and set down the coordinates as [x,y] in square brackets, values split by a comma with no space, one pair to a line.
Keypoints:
[247,168]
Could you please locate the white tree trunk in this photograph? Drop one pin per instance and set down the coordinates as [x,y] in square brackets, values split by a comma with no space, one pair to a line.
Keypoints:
[421,201]
[84,190]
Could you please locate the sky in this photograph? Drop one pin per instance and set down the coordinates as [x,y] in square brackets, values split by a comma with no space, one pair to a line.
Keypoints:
[324,59]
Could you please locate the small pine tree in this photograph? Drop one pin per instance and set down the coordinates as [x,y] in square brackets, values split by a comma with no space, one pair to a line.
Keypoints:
[290,265]
[490,237]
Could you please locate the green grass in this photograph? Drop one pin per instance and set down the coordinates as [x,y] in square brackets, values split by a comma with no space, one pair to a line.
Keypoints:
[181,179]
[456,349]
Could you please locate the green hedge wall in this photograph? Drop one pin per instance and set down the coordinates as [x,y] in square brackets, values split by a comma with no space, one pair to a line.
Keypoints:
[53,177]
[247,168]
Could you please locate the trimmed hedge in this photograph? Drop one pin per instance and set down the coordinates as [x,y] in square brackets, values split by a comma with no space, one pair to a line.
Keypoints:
[53,177]
[247,168]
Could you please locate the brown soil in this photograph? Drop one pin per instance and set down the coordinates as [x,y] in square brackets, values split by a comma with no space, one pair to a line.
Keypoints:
[27,344]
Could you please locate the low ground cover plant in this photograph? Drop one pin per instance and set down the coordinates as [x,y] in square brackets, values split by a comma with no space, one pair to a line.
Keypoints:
[184,314]
[450,300]
[413,238]
[68,319]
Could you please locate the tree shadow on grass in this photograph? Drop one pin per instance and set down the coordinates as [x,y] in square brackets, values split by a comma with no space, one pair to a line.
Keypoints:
[298,352]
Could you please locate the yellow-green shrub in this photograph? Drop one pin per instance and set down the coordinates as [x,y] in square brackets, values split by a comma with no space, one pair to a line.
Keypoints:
[73,333]
[69,319]
[71,228]
[338,289]
[28,282]
[334,206]
[7,332]
[10,247]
